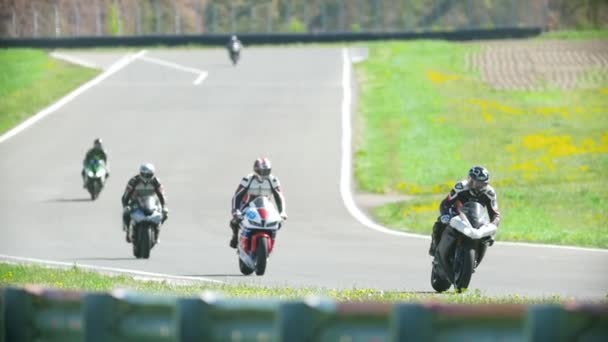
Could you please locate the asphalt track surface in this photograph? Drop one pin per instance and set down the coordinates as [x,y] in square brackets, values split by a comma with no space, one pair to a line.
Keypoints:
[281,103]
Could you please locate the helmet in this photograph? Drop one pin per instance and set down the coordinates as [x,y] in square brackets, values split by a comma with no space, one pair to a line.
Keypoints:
[479,177]
[233,38]
[262,167]
[146,171]
[97,143]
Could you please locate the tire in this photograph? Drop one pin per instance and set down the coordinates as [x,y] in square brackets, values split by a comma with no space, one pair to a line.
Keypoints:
[261,256]
[144,242]
[244,268]
[464,271]
[439,283]
[134,242]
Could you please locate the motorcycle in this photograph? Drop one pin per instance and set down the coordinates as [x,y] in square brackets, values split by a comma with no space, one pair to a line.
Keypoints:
[95,176]
[461,248]
[258,225]
[234,50]
[146,219]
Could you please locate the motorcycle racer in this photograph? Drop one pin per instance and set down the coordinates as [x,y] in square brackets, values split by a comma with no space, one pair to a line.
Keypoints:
[259,183]
[143,184]
[475,188]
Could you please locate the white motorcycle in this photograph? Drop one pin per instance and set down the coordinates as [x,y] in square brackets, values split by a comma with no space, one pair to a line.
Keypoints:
[146,219]
[258,226]
[461,248]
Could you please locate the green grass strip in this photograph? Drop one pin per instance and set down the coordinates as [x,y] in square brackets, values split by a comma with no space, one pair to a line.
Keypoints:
[31,80]
[424,119]
[78,279]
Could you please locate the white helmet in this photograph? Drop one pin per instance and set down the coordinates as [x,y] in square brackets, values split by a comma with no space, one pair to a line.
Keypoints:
[146,172]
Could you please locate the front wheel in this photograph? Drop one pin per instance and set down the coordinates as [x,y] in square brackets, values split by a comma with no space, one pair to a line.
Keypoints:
[143,240]
[463,270]
[261,256]
[439,283]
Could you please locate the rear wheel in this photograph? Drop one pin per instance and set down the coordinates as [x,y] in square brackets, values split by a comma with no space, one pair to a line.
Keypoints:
[261,255]
[463,270]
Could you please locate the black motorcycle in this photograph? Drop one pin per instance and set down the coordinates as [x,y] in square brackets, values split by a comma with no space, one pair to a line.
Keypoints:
[462,246]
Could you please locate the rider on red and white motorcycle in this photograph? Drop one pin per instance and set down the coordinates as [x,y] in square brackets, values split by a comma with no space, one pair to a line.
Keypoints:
[259,183]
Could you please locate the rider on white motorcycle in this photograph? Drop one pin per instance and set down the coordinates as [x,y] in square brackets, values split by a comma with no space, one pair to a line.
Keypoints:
[476,188]
[259,183]
[143,184]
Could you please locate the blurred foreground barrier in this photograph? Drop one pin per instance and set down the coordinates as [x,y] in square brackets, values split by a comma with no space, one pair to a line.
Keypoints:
[268,38]
[36,314]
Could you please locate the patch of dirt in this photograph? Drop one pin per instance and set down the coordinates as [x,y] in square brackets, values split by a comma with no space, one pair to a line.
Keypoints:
[542,64]
[367,201]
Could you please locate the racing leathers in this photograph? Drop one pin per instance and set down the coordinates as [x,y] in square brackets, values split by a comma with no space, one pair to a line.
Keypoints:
[251,187]
[137,187]
[450,206]
[94,153]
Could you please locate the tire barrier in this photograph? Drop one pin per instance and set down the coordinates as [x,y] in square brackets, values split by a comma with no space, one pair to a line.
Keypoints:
[38,314]
[262,38]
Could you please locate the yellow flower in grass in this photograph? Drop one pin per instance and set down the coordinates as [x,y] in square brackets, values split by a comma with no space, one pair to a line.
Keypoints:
[487,117]
[409,188]
[438,78]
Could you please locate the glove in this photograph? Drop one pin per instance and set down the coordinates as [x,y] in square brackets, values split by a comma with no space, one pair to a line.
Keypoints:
[445,219]
[237,215]
[126,209]
[284,216]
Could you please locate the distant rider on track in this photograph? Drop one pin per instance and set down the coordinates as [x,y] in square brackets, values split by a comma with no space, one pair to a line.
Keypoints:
[259,183]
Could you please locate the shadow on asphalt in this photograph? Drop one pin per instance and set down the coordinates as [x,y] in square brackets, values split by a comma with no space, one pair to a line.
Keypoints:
[214,275]
[82,199]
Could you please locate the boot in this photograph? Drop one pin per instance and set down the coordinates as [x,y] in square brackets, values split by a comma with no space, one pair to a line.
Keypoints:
[438,228]
[233,241]
[234,225]
[432,248]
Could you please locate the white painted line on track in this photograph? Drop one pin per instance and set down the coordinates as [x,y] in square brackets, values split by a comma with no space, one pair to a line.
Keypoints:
[202,74]
[74,60]
[200,78]
[121,63]
[346,167]
[346,172]
[123,271]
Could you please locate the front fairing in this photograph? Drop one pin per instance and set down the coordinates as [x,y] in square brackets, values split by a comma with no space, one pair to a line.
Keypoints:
[148,209]
[95,168]
[261,214]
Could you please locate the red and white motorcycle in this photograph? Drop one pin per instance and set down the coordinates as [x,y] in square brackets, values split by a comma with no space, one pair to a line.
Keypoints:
[258,227]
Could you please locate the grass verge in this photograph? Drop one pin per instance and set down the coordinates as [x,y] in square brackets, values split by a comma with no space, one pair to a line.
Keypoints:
[30,80]
[425,119]
[78,279]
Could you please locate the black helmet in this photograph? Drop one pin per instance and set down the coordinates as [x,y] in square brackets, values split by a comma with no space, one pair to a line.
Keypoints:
[479,177]
[97,143]
[262,167]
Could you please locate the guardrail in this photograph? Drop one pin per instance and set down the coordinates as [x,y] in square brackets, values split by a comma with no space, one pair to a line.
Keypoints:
[264,38]
[36,314]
